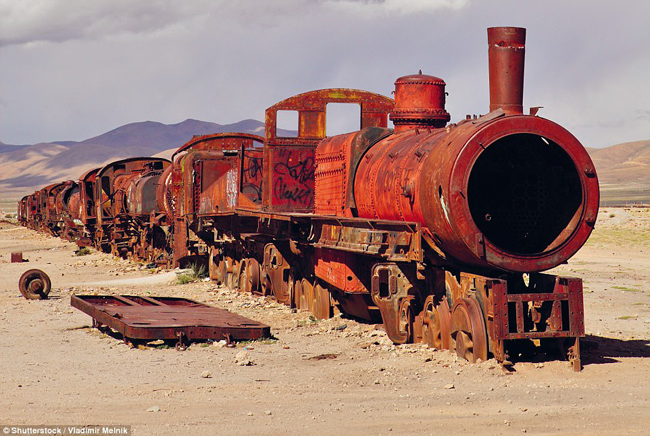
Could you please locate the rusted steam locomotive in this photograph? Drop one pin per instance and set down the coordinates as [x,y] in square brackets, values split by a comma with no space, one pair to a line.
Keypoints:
[439,231]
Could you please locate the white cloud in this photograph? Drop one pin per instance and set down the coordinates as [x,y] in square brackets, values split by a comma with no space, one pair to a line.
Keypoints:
[371,8]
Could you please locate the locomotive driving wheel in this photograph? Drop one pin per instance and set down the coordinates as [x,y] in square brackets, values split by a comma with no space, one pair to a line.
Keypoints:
[235,275]
[267,286]
[321,307]
[222,270]
[243,276]
[405,319]
[34,284]
[217,266]
[282,291]
[468,330]
[249,279]
[436,324]
[229,270]
[291,286]
[443,326]
[305,295]
[428,319]
[297,292]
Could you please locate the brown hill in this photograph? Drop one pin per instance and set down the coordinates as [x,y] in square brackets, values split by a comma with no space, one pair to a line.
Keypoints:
[25,168]
[625,163]
[624,173]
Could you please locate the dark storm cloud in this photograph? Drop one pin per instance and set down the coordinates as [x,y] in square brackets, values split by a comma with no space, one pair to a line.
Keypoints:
[73,69]
[31,21]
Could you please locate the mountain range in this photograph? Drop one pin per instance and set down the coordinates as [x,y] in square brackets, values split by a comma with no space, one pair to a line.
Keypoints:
[623,169]
[25,168]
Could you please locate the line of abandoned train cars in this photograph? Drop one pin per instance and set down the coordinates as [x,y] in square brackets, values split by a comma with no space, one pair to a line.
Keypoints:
[438,230]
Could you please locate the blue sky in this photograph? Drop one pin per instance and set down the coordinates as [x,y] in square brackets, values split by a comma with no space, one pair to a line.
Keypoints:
[73,69]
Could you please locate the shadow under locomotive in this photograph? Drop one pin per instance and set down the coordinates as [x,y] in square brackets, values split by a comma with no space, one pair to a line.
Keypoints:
[595,350]
[599,349]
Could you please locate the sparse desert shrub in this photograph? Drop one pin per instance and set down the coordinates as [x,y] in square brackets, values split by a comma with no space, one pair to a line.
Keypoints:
[625,288]
[185,278]
[83,251]
[196,273]
[199,270]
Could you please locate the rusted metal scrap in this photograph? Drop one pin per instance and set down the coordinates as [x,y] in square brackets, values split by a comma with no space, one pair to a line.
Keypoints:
[34,284]
[168,318]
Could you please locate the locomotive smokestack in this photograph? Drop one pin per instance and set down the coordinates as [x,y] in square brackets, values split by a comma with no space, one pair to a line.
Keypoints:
[506,49]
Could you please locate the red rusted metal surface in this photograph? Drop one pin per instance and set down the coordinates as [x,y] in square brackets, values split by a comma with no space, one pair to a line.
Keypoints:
[419,103]
[337,158]
[68,203]
[275,270]
[150,318]
[23,210]
[229,141]
[289,162]
[390,292]
[50,208]
[125,201]
[71,201]
[516,193]
[60,199]
[211,176]
[164,198]
[114,180]
[541,308]
[115,186]
[506,50]
[33,210]
[251,178]
[551,308]
[209,173]
[17,257]
[340,269]
[468,330]
[141,194]
[87,183]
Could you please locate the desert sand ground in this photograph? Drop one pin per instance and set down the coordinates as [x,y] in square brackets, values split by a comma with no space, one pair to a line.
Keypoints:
[55,369]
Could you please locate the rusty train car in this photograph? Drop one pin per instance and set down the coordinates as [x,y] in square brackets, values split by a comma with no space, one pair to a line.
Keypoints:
[124,199]
[439,231]
[108,207]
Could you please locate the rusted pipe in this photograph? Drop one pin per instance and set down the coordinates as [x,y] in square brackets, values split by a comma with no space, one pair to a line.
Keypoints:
[506,49]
